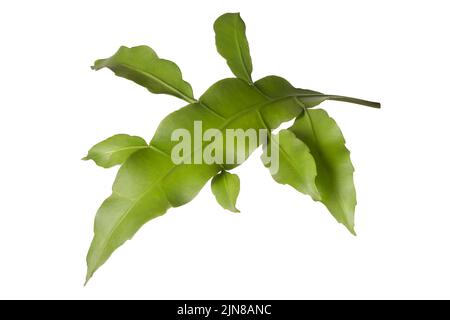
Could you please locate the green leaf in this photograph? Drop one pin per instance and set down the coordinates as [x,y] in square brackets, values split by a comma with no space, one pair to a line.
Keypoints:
[232,44]
[115,150]
[149,182]
[142,66]
[296,166]
[334,168]
[225,187]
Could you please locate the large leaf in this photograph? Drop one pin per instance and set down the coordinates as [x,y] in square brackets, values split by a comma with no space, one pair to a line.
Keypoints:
[225,187]
[149,182]
[142,65]
[232,44]
[115,150]
[334,168]
[295,165]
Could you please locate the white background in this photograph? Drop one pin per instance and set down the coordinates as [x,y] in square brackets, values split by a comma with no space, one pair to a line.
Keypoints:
[53,108]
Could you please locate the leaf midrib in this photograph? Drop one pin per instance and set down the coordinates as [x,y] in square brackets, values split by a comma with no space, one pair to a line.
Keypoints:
[238,44]
[162,82]
[124,149]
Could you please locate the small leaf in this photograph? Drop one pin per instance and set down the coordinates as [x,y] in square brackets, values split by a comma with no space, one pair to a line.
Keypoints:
[232,44]
[115,150]
[149,182]
[334,168]
[142,66]
[225,187]
[296,166]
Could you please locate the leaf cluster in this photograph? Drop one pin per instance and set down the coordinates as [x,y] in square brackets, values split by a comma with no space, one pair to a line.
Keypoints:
[313,157]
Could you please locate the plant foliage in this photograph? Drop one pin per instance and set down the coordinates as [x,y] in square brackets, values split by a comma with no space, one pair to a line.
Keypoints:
[313,157]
